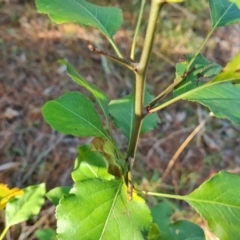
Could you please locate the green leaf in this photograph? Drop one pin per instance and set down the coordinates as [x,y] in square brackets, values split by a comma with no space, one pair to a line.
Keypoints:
[21,208]
[106,149]
[202,69]
[74,114]
[178,230]
[100,209]
[222,99]
[186,230]
[223,13]
[217,200]
[122,111]
[105,19]
[237,2]
[89,164]
[217,97]
[231,72]
[55,194]
[161,216]
[99,95]
[46,234]
[154,233]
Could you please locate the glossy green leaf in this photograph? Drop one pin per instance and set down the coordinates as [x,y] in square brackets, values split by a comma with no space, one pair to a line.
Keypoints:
[223,13]
[88,165]
[105,19]
[100,209]
[178,230]
[46,234]
[231,72]
[74,114]
[55,194]
[217,200]
[22,208]
[223,100]
[99,95]
[217,97]
[202,70]
[122,111]
[237,2]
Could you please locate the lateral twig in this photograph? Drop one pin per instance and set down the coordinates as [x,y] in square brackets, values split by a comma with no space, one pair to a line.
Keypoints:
[131,65]
[170,88]
[132,55]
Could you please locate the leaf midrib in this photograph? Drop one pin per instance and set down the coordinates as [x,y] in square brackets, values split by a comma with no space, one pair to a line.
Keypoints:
[26,202]
[88,122]
[224,13]
[189,199]
[102,27]
[89,88]
[111,209]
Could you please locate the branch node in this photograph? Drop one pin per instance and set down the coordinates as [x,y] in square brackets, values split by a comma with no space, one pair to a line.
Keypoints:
[122,61]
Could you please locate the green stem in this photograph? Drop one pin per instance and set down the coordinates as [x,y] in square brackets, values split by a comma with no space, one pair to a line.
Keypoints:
[179,80]
[115,48]
[200,48]
[141,76]
[138,117]
[207,38]
[4,232]
[132,56]
[176,81]
[141,70]
[155,9]
[163,195]
[171,101]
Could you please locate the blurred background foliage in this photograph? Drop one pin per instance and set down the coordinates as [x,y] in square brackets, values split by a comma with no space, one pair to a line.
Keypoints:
[30,152]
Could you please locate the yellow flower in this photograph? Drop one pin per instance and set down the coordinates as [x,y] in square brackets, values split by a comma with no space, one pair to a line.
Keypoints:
[6,194]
